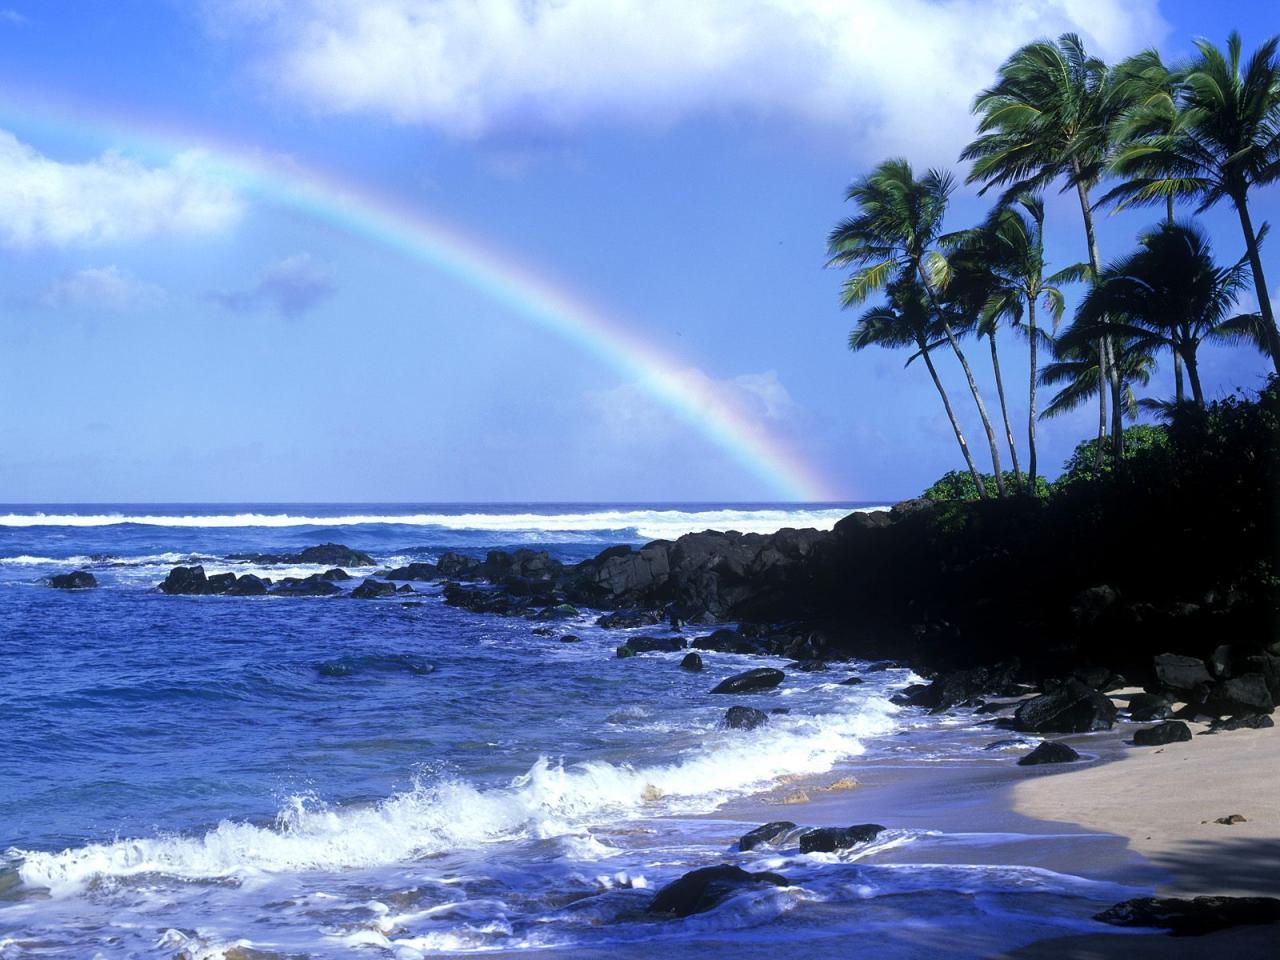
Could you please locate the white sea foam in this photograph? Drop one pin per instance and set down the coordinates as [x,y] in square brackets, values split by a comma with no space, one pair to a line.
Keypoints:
[549,800]
[648,523]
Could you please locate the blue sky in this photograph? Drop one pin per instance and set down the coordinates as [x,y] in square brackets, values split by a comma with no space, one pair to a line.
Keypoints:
[169,334]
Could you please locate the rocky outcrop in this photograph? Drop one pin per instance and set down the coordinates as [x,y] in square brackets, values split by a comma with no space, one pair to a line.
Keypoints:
[745,718]
[700,890]
[313,586]
[769,833]
[325,554]
[761,678]
[372,589]
[422,572]
[1071,708]
[79,580]
[192,581]
[1193,917]
[1050,751]
[831,839]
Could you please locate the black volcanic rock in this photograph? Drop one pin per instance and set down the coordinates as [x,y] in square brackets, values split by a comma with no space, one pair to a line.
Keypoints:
[745,718]
[78,580]
[1049,752]
[1194,917]
[831,839]
[372,589]
[636,645]
[761,678]
[1171,731]
[768,833]
[700,890]
[691,662]
[1071,708]
[185,580]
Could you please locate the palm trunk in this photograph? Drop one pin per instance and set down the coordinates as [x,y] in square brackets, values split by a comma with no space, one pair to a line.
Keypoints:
[973,384]
[1193,374]
[1177,373]
[1107,370]
[1004,410]
[955,424]
[1259,282]
[1031,415]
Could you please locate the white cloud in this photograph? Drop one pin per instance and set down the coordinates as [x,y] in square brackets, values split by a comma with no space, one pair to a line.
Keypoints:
[291,286]
[104,288]
[893,74]
[13,17]
[762,397]
[109,199]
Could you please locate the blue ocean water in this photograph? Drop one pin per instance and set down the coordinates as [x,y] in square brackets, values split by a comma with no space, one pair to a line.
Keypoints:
[204,776]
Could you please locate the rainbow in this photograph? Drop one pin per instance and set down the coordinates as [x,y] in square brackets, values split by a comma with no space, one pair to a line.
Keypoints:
[361,212]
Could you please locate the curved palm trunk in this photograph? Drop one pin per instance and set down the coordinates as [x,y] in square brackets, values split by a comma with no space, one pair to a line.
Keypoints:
[1177,373]
[1107,369]
[1259,282]
[1031,415]
[1193,374]
[955,424]
[1004,411]
[973,383]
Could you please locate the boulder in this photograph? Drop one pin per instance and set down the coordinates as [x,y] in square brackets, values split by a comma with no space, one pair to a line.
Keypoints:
[1180,674]
[220,582]
[831,839]
[1269,666]
[1049,752]
[334,555]
[79,580]
[1092,604]
[691,662]
[1248,721]
[1171,731]
[855,523]
[728,641]
[700,890]
[851,681]
[335,574]
[421,572]
[372,589]
[1193,917]
[745,718]
[809,666]
[247,585]
[625,619]
[456,566]
[570,638]
[769,833]
[762,678]
[1246,693]
[185,580]
[1220,661]
[636,645]
[312,586]
[1144,707]
[1072,708]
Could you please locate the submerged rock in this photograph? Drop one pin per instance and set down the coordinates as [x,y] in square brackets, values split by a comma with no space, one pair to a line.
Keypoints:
[745,718]
[1050,751]
[372,589]
[1071,708]
[1171,731]
[650,645]
[769,833]
[700,890]
[831,839]
[79,580]
[761,678]
[1193,917]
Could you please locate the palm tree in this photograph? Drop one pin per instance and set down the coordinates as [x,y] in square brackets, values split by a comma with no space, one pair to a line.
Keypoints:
[906,319]
[1077,370]
[894,237]
[1048,118]
[1006,259]
[1227,141]
[1170,294]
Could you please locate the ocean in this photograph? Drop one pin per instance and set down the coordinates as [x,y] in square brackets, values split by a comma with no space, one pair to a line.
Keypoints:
[249,777]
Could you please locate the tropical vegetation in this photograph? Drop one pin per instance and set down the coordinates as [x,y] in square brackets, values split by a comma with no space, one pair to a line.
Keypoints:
[1184,137]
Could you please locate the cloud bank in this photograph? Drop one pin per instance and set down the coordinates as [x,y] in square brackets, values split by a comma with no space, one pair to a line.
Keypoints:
[46,202]
[886,71]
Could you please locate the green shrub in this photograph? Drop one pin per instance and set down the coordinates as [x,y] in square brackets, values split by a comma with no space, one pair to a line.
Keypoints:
[959,485]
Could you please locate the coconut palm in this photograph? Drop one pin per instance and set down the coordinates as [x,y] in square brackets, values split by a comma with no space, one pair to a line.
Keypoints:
[893,237]
[1076,369]
[907,319]
[1003,262]
[1170,294]
[1047,119]
[1226,141]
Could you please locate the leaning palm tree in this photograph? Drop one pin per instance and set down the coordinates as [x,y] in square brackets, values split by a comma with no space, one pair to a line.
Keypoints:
[1227,141]
[1047,118]
[907,319]
[1004,260]
[894,236]
[1170,294]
